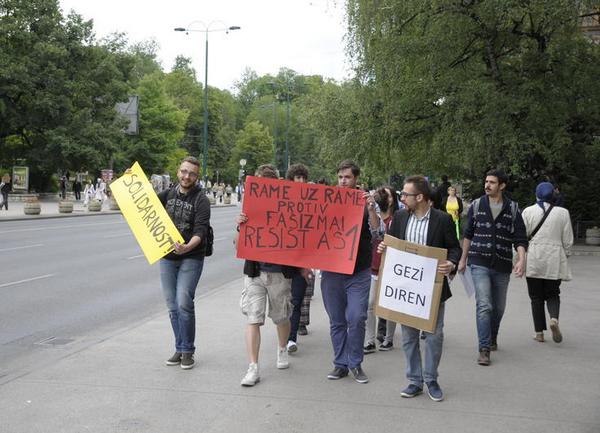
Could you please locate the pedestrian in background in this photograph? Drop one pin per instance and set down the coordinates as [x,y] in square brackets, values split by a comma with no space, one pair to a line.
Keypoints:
[550,240]
[386,200]
[454,206]
[4,190]
[77,189]
[88,193]
[181,269]
[297,173]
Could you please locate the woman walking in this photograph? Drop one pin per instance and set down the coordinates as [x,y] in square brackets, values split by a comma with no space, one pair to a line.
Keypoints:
[550,240]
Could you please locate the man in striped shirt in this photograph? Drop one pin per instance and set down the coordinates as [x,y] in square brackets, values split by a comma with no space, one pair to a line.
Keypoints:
[421,224]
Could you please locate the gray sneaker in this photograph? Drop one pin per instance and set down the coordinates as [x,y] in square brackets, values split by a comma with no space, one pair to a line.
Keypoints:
[359,375]
[175,359]
[187,361]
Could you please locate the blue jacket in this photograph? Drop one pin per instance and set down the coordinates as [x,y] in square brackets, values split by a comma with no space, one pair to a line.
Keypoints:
[492,240]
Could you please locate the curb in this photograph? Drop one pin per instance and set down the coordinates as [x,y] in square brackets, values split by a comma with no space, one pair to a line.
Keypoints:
[76,214]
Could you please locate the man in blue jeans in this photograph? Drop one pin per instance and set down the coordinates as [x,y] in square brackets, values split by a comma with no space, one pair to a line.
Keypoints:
[346,297]
[419,223]
[180,270]
[494,226]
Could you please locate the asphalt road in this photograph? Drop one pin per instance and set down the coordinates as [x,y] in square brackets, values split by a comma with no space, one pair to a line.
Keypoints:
[81,280]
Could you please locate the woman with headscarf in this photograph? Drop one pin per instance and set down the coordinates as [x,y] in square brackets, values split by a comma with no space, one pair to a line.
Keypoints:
[550,242]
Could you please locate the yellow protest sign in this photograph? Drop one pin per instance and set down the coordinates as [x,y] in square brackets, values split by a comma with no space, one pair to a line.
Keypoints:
[145,214]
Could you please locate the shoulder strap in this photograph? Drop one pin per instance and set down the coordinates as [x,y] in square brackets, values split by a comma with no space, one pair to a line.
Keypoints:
[536,229]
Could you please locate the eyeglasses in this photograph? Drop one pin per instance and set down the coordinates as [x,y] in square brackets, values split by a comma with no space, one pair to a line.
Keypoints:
[188,173]
[408,194]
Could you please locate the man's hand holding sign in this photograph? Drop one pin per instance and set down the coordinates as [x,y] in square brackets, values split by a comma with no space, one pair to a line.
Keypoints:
[145,214]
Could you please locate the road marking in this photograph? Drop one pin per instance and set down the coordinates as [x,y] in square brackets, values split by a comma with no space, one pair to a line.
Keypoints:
[61,227]
[27,280]
[116,235]
[135,257]
[220,239]
[21,248]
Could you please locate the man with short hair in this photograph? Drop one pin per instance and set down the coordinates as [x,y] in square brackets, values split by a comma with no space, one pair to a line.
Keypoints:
[346,297]
[180,270]
[493,228]
[419,223]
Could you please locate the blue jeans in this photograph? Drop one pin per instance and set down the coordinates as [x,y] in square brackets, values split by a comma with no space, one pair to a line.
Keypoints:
[433,351]
[490,295]
[298,290]
[179,279]
[346,298]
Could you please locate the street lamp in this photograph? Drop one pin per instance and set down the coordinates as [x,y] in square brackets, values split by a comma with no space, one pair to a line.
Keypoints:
[206,29]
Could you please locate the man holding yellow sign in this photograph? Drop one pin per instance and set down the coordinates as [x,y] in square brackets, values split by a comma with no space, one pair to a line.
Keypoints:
[179,240]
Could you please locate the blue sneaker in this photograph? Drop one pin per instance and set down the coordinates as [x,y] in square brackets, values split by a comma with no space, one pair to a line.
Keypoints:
[434,391]
[411,391]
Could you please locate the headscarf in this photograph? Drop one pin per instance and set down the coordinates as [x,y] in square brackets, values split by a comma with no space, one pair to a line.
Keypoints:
[544,192]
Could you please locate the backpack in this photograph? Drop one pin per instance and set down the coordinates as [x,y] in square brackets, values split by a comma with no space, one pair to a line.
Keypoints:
[210,236]
[514,208]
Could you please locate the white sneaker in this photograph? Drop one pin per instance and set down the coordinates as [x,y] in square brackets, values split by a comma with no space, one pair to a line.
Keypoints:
[292,346]
[282,358]
[251,378]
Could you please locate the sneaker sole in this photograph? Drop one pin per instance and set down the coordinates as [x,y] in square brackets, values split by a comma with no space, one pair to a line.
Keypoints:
[249,383]
[283,366]
[435,398]
[172,363]
[187,367]
[556,335]
[405,395]
[292,349]
[361,380]
[385,349]
[330,377]
[367,351]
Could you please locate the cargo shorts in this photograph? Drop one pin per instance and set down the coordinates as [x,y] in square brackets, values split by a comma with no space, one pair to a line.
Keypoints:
[271,286]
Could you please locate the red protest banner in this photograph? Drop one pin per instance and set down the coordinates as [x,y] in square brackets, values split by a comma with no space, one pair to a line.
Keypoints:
[301,224]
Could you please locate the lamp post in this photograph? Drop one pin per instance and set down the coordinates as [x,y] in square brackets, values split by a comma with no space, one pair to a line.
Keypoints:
[206,29]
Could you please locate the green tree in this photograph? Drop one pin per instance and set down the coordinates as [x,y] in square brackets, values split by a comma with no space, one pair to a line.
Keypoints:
[461,86]
[58,89]
[161,126]
[255,145]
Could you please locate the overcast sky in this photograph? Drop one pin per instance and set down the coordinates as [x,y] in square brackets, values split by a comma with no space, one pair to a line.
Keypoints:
[304,35]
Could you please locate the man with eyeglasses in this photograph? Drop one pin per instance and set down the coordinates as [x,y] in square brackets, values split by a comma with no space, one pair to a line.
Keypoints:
[180,270]
[421,224]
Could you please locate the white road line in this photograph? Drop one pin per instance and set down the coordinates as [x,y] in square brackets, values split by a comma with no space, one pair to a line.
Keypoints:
[220,239]
[26,281]
[92,225]
[21,248]
[135,257]
[116,235]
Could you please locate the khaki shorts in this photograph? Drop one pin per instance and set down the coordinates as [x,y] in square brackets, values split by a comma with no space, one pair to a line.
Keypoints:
[272,286]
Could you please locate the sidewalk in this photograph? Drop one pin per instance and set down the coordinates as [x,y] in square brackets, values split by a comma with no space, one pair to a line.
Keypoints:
[122,385]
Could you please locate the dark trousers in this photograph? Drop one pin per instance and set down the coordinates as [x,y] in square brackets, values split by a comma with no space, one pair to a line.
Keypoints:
[298,290]
[5,200]
[540,291]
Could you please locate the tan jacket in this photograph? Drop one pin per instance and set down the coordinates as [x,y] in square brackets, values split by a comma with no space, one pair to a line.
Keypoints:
[548,250]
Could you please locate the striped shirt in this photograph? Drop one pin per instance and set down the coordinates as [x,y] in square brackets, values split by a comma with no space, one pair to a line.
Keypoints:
[416,229]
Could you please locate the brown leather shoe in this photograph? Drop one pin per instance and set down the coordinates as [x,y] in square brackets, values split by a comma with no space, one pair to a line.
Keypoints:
[484,357]
[539,336]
